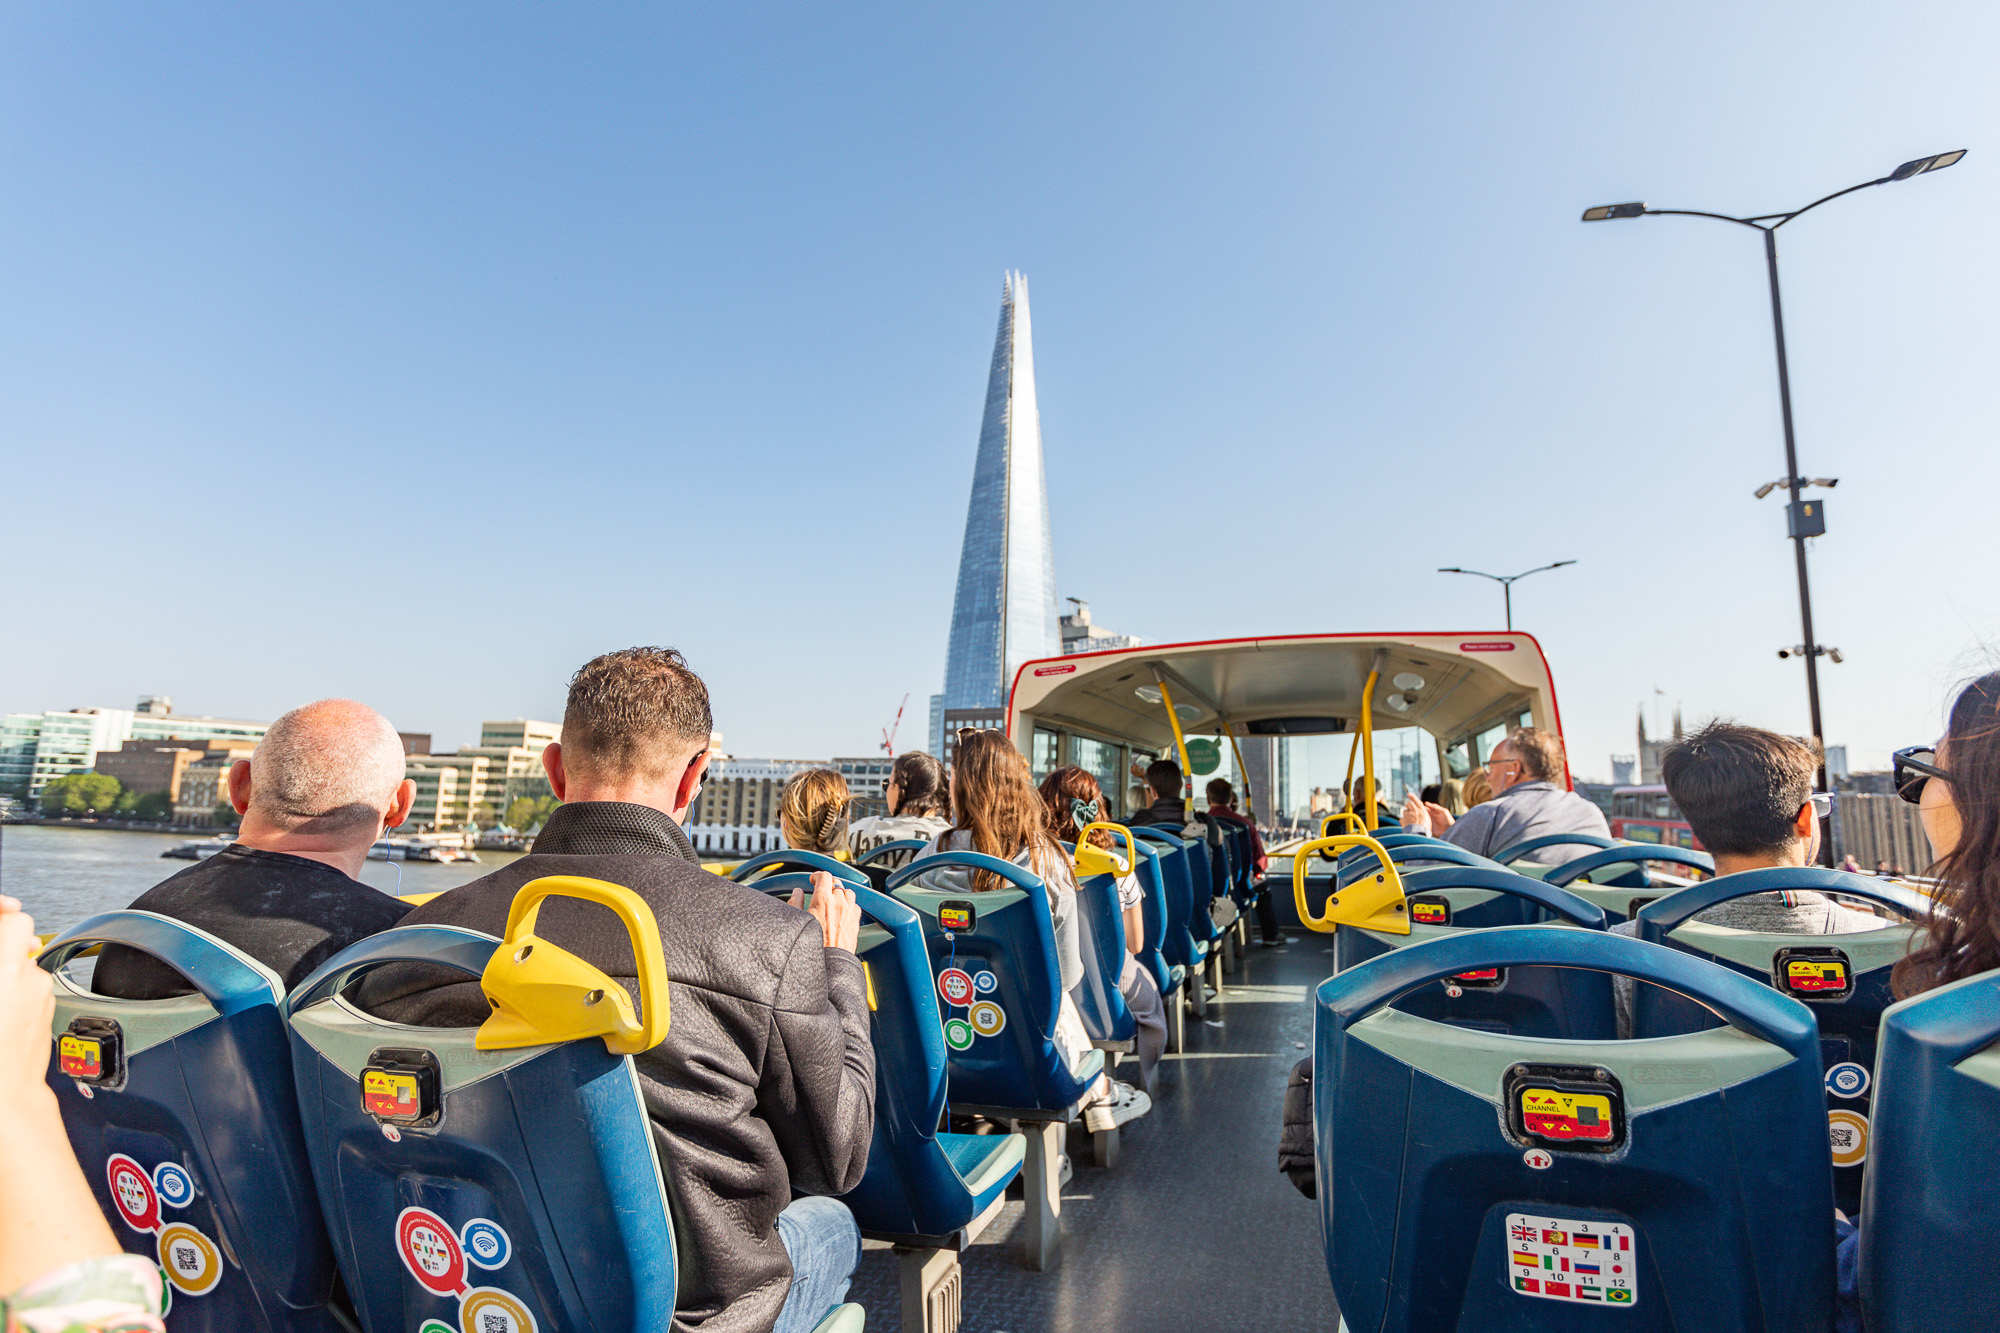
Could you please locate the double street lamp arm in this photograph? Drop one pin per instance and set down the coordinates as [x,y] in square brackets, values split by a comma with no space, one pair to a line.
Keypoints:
[1507,581]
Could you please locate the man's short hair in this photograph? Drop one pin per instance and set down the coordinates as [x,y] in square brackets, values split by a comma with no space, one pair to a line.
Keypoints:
[1220,792]
[1164,777]
[1540,752]
[329,767]
[1740,788]
[638,712]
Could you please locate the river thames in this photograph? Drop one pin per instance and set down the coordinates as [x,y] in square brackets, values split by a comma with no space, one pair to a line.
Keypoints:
[62,875]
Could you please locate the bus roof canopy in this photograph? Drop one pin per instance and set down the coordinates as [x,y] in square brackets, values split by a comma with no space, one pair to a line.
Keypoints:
[1290,685]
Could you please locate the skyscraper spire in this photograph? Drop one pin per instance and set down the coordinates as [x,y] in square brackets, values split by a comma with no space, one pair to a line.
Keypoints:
[1004,613]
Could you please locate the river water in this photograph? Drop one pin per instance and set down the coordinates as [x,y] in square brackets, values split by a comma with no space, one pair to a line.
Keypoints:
[62,875]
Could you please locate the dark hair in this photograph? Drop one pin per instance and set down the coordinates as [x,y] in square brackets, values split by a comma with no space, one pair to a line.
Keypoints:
[1164,777]
[1963,931]
[1540,753]
[1220,792]
[1066,784]
[637,711]
[1431,792]
[1740,788]
[920,779]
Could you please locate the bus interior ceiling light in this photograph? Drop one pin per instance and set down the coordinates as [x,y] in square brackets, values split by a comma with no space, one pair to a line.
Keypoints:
[1397,703]
[1408,681]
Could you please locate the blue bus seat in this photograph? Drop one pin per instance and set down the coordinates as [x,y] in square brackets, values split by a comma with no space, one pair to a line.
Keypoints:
[1614,873]
[1002,991]
[879,862]
[1154,911]
[1360,861]
[927,1191]
[504,1178]
[1849,1010]
[1213,913]
[1930,1254]
[182,1115]
[1513,852]
[789,858]
[1185,953]
[1555,1002]
[1472,1180]
[1101,937]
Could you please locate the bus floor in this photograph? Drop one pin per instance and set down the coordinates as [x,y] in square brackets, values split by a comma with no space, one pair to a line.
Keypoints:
[1195,1229]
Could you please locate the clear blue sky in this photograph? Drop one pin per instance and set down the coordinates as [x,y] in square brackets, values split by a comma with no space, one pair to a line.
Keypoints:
[419,353]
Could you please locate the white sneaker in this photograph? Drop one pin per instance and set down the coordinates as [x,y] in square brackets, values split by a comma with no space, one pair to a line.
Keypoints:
[1125,1103]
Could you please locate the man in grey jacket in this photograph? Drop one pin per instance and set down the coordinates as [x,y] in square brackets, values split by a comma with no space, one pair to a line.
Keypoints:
[1527,803]
[765,1083]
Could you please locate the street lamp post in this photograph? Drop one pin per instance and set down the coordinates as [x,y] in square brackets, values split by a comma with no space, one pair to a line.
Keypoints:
[1802,520]
[1507,581]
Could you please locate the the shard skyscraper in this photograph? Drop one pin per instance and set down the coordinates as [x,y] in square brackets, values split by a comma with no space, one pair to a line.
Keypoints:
[1005,611]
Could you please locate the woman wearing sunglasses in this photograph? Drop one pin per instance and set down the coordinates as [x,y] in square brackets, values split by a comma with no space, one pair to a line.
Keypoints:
[1955,786]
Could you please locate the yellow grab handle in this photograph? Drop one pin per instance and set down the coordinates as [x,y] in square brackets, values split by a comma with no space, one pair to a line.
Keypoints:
[1091,860]
[543,994]
[1375,903]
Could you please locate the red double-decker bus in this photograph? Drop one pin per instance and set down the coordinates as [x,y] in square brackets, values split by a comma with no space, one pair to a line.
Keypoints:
[1648,814]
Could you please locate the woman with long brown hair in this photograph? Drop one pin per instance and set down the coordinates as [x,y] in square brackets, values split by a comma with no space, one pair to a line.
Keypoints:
[1955,786]
[1074,800]
[997,812]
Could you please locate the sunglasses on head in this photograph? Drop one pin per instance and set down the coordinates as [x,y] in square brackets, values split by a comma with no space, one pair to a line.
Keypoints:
[1911,768]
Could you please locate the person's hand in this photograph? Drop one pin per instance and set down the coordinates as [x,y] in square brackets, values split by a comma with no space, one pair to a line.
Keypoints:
[1416,814]
[834,907]
[27,1006]
[1440,818]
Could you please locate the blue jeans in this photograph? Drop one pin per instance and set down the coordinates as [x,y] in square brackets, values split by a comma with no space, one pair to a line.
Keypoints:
[825,1246]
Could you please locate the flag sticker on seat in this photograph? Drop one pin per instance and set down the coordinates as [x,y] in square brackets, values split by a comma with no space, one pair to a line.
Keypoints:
[1566,1259]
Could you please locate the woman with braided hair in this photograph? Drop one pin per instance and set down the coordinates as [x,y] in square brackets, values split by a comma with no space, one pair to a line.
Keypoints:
[813,812]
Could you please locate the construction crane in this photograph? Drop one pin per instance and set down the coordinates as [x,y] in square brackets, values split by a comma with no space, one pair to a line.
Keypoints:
[889,732]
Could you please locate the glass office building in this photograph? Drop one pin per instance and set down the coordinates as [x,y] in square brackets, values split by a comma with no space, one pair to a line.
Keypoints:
[1004,612]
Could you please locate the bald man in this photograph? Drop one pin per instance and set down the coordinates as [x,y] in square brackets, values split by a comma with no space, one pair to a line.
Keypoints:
[314,796]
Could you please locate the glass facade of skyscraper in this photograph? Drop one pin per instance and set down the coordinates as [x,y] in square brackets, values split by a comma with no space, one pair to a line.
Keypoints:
[1004,612]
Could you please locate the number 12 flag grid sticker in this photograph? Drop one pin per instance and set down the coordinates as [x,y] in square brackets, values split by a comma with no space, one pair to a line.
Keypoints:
[1561,1259]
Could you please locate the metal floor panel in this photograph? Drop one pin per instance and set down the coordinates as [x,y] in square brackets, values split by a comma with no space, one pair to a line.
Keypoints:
[1195,1229]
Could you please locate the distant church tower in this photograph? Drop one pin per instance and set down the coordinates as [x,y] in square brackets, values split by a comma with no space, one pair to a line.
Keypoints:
[1005,611]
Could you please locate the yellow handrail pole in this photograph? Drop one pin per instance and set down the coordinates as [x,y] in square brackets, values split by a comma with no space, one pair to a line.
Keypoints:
[1249,801]
[1353,753]
[1180,744]
[1367,742]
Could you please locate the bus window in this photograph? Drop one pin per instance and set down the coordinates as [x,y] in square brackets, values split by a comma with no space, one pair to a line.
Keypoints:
[1458,759]
[1046,756]
[1100,760]
[1483,743]
[1662,807]
[1642,833]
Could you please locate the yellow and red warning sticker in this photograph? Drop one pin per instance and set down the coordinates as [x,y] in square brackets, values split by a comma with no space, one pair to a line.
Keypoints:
[1550,1113]
[1430,914]
[81,1057]
[390,1094]
[1808,975]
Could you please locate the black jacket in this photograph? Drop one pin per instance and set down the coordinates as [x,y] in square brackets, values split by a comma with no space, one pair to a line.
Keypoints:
[1295,1144]
[766,1080]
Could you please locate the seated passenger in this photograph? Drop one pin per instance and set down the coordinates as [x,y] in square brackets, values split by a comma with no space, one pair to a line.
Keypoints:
[1168,810]
[1524,770]
[917,797]
[317,792]
[999,813]
[1074,800]
[1956,789]
[60,1266]
[1747,794]
[1222,805]
[1355,791]
[765,1084]
[812,812]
